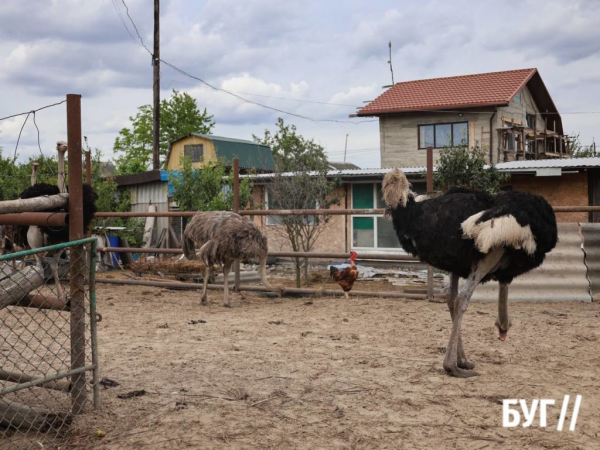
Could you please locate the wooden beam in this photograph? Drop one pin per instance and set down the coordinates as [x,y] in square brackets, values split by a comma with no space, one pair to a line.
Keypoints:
[18,377]
[14,288]
[16,415]
[34,204]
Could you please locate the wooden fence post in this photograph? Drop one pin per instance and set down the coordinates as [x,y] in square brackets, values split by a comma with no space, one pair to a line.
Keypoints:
[236,209]
[76,254]
[429,191]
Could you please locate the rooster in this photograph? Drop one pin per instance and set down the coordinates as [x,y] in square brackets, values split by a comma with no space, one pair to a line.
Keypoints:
[346,277]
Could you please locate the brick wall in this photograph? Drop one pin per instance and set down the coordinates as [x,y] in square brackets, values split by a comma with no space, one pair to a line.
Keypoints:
[570,189]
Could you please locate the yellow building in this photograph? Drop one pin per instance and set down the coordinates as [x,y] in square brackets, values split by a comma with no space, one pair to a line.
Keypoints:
[205,148]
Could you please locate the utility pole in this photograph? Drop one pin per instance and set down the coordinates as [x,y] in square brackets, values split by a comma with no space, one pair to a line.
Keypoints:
[156,88]
[346,147]
[390,61]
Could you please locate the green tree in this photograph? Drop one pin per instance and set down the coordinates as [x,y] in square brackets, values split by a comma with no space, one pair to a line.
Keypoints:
[305,186]
[179,116]
[580,151]
[291,151]
[461,166]
[207,189]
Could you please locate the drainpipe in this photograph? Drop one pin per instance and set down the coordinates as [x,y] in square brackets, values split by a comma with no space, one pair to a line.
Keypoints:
[492,134]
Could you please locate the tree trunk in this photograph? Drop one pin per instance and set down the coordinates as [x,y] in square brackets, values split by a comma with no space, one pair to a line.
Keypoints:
[17,286]
[16,415]
[305,271]
[34,204]
[298,272]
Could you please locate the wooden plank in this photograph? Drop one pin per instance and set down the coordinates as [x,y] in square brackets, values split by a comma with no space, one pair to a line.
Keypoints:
[17,286]
[34,204]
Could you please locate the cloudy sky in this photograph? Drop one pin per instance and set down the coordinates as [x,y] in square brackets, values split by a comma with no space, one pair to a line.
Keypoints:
[320,59]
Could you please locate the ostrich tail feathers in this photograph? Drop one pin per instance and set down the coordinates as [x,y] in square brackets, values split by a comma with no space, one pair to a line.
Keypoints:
[395,189]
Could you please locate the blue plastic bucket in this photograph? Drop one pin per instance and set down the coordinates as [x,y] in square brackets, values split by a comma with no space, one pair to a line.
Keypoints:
[114,242]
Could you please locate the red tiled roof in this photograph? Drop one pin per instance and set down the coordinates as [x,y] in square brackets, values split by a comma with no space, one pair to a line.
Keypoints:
[464,91]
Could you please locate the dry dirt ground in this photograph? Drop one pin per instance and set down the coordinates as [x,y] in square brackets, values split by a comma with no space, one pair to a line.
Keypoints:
[325,373]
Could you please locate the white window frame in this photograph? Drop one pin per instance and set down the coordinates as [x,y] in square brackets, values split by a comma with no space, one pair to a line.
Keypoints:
[394,250]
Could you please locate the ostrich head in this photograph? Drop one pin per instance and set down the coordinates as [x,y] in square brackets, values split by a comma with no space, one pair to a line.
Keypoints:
[503,327]
[61,146]
[395,189]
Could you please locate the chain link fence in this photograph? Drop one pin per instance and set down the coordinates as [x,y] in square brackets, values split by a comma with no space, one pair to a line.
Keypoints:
[48,348]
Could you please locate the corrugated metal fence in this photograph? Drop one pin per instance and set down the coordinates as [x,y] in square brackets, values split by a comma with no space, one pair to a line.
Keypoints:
[564,276]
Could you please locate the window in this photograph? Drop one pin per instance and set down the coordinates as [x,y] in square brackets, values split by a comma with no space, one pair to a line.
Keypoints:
[194,152]
[371,231]
[517,97]
[441,135]
[530,120]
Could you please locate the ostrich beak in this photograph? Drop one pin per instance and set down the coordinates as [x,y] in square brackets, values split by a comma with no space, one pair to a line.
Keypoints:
[502,334]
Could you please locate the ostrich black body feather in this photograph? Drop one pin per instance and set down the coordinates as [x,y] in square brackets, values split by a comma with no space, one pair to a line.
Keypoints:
[432,230]
[56,235]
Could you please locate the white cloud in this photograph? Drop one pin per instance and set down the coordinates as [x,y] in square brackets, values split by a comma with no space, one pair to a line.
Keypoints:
[302,50]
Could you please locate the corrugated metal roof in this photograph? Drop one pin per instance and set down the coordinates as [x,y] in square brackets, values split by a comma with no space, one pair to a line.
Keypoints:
[463,91]
[551,163]
[570,163]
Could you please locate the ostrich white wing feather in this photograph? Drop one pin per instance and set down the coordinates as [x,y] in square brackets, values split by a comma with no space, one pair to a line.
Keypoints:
[498,231]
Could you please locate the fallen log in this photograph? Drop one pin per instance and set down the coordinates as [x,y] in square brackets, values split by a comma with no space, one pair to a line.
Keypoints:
[17,286]
[18,377]
[287,290]
[34,204]
[16,415]
[42,301]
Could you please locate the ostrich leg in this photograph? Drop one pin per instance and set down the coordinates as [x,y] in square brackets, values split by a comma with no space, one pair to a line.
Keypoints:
[503,321]
[483,267]
[203,298]
[54,269]
[226,269]
[462,360]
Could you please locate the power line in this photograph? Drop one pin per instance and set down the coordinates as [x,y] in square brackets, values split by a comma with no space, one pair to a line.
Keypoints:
[183,72]
[136,28]
[236,94]
[312,119]
[19,137]
[32,111]
[114,3]
[295,99]
[40,146]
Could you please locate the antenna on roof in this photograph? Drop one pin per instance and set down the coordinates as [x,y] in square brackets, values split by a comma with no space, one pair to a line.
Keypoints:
[346,147]
[390,61]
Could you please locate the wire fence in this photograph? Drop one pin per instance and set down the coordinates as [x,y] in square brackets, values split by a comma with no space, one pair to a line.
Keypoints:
[48,348]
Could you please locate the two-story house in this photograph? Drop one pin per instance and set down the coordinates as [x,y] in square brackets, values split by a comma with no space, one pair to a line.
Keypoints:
[509,114]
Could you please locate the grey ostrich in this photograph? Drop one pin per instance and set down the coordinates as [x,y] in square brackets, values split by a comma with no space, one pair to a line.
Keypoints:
[223,237]
[475,236]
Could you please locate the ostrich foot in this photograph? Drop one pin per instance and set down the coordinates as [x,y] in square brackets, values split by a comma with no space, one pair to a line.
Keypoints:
[457,372]
[204,301]
[226,305]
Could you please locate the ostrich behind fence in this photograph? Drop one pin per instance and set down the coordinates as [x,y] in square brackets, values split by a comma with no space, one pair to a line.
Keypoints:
[223,237]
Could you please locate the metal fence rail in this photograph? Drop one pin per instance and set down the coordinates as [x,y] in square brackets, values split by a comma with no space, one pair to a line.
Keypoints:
[48,342]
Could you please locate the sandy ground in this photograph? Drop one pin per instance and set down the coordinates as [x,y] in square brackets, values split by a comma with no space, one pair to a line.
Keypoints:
[324,373]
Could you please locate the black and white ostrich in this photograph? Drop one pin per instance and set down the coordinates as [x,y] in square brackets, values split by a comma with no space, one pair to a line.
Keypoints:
[31,237]
[475,236]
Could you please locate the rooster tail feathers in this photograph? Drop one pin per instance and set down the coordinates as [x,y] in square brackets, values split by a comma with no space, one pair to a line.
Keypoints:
[332,270]
[395,189]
